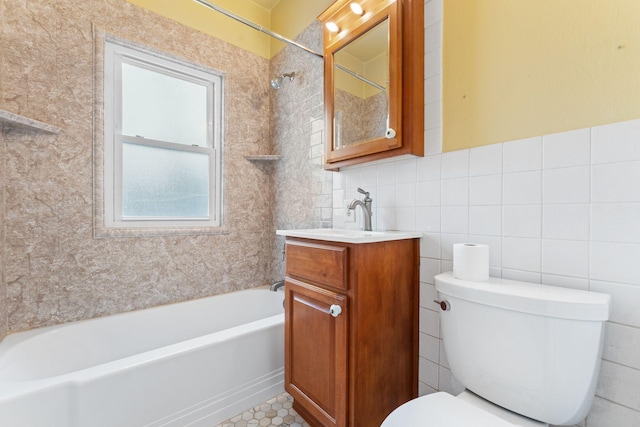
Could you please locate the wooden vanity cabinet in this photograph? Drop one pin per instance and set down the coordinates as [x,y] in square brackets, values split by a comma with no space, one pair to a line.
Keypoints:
[351,329]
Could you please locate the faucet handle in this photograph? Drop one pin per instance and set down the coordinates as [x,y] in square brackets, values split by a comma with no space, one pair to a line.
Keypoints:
[361,191]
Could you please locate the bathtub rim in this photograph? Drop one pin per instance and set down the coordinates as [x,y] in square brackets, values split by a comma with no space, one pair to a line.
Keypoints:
[20,336]
[138,359]
[129,361]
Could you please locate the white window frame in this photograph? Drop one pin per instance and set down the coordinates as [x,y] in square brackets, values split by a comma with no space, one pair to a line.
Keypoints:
[115,55]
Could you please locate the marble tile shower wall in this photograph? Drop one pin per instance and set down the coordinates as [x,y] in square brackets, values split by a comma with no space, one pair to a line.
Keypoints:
[303,189]
[3,285]
[562,210]
[55,271]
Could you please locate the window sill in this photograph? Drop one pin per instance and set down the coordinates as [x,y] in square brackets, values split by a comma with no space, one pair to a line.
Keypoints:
[102,232]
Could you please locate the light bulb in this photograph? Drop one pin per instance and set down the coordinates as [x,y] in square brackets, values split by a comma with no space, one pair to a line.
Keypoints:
[333,27]
[357,9]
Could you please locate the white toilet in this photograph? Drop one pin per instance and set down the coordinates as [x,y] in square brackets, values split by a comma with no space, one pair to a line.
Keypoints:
[527,354]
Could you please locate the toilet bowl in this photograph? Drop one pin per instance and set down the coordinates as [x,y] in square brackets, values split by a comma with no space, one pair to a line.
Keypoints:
[527,355]
[464,410]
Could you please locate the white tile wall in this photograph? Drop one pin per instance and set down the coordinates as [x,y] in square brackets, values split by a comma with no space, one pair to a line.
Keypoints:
[566,149]
[428,168]
[455,164]
[522,188]
[522,155]
[522,221]
[606,413]
[619,383]
[615,222]
[454,219]
[614,143]
[613,182]
[615,262]
[485,220]
[455,191]
[562,218]
[622,345]
[485,190]
[566,221]
[428,193]
[625,300]
[485,160]
[566,185]
[565,258]
[428,219]
[561,209]
[429,347]
[433,140]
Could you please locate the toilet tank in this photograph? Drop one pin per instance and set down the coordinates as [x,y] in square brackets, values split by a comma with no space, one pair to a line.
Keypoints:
[530,348]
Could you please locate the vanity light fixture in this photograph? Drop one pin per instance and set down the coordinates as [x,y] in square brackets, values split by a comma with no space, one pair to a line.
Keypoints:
[333,27]
[357,9]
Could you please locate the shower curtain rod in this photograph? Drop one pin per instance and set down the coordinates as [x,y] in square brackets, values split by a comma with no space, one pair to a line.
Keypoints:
[282,39]
[359,77]
[257,27]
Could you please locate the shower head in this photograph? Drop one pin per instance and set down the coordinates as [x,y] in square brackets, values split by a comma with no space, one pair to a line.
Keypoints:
[277,82]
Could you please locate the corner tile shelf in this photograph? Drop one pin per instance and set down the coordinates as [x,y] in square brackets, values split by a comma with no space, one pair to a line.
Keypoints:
[17,121]
[264,158]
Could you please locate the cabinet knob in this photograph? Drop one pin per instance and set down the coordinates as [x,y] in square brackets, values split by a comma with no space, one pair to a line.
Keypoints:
[335,310]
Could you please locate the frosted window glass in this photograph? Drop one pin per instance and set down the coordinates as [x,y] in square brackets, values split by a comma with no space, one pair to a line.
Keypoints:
[162,107]
[159,182]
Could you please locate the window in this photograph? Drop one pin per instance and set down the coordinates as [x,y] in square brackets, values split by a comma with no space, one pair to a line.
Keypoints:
[162,141]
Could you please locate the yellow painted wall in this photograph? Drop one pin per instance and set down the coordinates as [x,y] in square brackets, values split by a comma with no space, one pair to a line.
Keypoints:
[288,18]
[377,70]
[194,15]
[520,68]
[346,82]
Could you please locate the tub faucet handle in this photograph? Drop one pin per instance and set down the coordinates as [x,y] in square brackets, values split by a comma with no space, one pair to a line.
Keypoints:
[277,285]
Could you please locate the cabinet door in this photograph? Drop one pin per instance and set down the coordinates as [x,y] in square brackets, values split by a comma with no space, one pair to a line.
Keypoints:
[316,352]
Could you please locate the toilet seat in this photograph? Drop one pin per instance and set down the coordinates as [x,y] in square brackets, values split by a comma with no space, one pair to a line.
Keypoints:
[442,410]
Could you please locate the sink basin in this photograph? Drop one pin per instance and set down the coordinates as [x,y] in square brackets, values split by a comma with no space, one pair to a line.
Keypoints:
[349,236]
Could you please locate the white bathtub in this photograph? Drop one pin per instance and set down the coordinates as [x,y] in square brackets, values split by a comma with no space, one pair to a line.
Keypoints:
[194,363]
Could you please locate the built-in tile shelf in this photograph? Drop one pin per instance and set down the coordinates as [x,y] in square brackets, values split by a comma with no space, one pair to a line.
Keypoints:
[16,121]
[264,158]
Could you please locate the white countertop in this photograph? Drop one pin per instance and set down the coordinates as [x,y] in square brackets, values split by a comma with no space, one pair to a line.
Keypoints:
[349,236]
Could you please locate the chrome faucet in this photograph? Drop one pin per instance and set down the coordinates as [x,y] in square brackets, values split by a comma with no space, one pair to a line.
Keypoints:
[277,285]
[365,204]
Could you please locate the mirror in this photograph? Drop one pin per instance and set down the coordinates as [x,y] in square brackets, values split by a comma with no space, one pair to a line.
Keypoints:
[360,86]
[364,72]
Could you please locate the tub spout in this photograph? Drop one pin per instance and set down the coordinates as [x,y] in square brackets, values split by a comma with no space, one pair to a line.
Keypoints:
[277,285]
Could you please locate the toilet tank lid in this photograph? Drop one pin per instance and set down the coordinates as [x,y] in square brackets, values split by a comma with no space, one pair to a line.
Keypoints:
[541,300]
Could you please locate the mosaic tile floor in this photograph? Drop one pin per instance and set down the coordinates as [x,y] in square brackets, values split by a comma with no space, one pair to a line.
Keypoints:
[276,412]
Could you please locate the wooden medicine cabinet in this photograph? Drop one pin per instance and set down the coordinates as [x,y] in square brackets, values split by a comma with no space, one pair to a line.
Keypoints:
[373,80]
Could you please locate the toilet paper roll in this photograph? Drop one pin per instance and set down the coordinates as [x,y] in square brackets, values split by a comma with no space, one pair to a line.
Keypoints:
[471,262]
